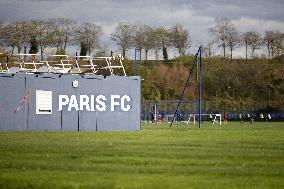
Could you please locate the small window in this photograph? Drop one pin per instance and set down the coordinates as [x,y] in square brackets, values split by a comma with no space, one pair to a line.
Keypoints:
[43,102]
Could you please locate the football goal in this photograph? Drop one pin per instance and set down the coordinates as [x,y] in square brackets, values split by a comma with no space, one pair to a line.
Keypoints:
[216,118]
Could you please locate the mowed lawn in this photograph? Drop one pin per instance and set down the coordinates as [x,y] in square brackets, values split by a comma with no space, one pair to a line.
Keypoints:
[230,156]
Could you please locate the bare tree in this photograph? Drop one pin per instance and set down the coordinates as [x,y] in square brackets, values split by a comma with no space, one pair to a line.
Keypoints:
[279,44]
[221,32]
[7,37]
[123,36]
[161,40]
[156,43]
[207,50]
[143,38]
[44,32]
[17,35]
[179,37]
[63,31]
[89,34]
[139,38]
[233,39]
[274,42]
[253,40]
[2,34]
[246,41]
[149,39]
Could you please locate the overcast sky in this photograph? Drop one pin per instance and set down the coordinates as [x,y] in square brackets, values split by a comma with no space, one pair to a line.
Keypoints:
[197,16]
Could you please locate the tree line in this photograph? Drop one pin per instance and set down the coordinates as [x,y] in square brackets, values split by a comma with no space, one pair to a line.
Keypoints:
[40,34]
[37,35]
[226,35]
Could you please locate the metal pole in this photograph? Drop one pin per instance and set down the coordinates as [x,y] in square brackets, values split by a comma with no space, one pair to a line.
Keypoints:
[134,71]
[269,96]
[155,112]
[250,99]
[216,101]
[200,86]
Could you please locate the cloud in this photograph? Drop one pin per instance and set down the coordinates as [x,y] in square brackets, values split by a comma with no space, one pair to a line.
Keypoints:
[197,16]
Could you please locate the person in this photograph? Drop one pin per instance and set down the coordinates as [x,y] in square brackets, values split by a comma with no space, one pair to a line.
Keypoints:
[241,118]
[210,118]
[248,117]
[261,117]
[265,117]
[225,117]
[152,117]
[251,118]
[163,115]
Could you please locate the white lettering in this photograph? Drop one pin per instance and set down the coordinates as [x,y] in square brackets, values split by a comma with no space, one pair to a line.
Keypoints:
[92,103]
[63,100]
[73,103]
[101,106]
[123,107]
[84,101]
[112,101]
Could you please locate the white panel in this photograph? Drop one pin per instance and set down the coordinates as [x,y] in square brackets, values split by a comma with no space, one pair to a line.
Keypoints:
[43,102]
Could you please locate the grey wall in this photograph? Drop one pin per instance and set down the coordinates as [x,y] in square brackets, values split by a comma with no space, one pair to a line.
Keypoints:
[12,91]
[14,87]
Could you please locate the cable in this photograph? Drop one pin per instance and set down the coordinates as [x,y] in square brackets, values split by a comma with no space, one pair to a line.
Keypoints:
[189,76]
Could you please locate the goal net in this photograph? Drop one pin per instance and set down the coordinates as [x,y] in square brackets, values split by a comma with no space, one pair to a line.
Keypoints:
[216,118]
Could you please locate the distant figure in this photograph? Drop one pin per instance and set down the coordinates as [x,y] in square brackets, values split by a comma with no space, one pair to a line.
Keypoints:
[225,117]
[269,117]
[248,117]
[251,118]
[152,117]
[211,118]
[163,115]
[241,118]
[261,117]
[265,117]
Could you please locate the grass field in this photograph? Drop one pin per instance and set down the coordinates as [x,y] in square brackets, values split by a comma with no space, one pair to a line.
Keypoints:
[227,156]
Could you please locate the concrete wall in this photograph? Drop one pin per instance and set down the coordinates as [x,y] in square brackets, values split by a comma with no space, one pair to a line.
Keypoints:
[15,88]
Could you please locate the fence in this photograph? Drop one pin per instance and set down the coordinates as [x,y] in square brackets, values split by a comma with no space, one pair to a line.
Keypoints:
[165,109]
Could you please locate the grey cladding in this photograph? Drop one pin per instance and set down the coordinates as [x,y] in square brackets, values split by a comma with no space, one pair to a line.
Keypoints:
[53,102]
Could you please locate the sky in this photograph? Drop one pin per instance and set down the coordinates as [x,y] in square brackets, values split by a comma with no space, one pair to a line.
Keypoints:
[195,15]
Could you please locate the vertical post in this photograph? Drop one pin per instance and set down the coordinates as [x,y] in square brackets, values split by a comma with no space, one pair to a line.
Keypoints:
[134,67]
[76,55]
[250,99]
[269,96]
[155,111]
[200,86]
[216,101]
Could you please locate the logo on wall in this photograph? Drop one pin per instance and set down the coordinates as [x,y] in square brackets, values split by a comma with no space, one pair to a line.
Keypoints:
[89,103]
[75,83]
[94,103]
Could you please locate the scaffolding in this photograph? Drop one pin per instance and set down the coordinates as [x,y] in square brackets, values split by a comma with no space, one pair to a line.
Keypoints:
[62,64]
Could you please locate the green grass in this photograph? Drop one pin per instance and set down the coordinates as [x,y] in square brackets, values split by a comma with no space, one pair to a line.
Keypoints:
[227,156]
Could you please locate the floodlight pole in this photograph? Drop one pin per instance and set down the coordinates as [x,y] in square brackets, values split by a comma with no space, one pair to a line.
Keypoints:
[200,86]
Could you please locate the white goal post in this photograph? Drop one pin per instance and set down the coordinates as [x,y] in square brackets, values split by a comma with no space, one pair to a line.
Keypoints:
[217,118]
